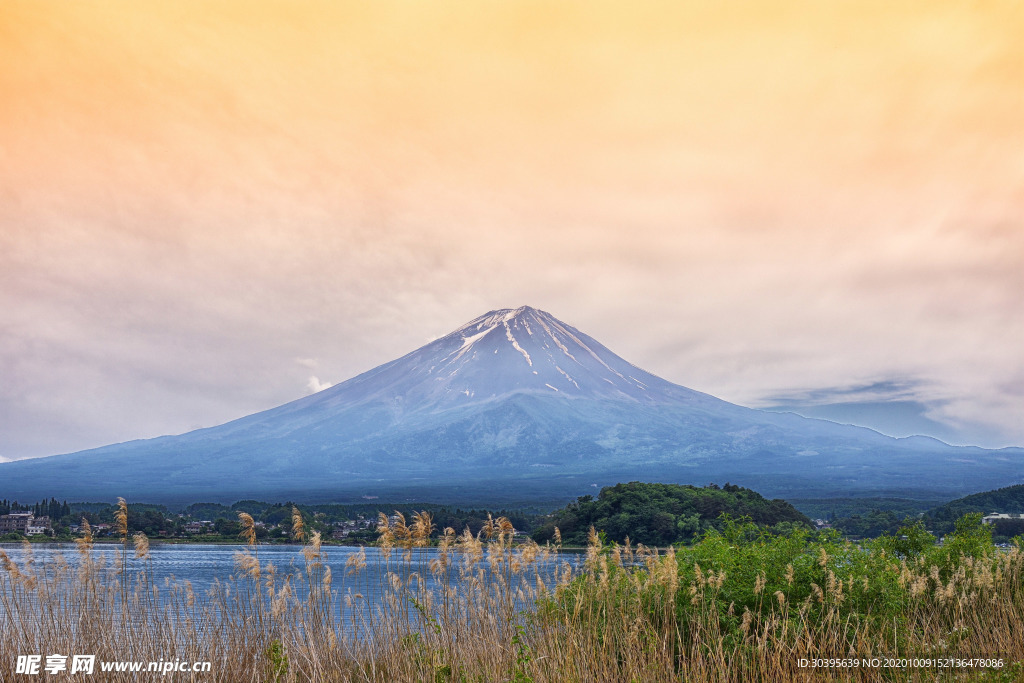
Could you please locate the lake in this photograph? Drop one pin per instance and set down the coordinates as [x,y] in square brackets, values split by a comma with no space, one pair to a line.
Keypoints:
[205,566]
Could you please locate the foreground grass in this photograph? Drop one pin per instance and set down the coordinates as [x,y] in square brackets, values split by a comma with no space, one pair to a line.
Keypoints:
[741,605]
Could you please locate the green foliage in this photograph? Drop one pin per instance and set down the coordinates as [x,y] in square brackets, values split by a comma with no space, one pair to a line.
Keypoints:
[425,615]
[1005,529]
[523,657]
[426,657]
[662,514]
[274,518]
[871,524]
[1009,499]
[277,660]
[971,539]
[1012,673]
[800,565]
[839,508]
[210,511]
[741,579]
[910,542]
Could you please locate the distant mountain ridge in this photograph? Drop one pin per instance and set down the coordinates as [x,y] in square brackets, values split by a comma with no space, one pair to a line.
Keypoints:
[513,404]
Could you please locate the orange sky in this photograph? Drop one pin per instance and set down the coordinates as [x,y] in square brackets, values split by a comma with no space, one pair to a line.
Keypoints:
[204,203]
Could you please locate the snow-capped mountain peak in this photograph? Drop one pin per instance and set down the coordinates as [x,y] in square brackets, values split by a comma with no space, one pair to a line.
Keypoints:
[504,352]
[516,403]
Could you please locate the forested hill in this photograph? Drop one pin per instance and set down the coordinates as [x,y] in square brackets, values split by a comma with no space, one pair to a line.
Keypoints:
[1009,499]
[661,514]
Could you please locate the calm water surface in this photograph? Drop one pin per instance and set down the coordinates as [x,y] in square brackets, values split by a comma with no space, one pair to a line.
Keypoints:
[204,565]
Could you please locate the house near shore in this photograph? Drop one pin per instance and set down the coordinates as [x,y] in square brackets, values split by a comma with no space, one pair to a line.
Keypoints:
[344,529]
[24,523]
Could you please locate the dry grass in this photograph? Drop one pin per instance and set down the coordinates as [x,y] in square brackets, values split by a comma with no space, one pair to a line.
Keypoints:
[513,613]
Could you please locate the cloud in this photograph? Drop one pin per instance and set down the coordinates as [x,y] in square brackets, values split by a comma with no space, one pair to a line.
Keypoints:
[897,407]
[316,385]
[751,212]
[888,390]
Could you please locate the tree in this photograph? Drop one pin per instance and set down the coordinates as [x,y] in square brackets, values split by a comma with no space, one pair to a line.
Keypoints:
[910,541]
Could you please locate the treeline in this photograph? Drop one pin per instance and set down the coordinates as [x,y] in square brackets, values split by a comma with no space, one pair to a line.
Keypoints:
[941,519]
[1009,499]
[873,523]
[838,508]
[53,509]
[652,514]
[220,522]
[663,514]
[273,514]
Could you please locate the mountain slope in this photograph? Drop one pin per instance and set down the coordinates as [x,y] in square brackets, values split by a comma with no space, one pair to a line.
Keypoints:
[517,404]
[1005,500]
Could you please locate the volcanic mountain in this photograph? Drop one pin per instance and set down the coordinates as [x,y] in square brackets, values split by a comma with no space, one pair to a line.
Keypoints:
[514,405]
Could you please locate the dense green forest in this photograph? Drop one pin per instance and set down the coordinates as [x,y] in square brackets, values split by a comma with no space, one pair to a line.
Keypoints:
[873,523]
[219,523]
[275,519]
[941,519]
[652,514]
[1009,499]
[275,514]
[865,517]
[838,508]
[662,514]
[50,508]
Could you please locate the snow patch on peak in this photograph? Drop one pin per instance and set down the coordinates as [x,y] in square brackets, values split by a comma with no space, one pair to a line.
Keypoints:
[492,319]
[473,338]
[485,323]
[567,376]
[592,353]
[515,344]
[558,342]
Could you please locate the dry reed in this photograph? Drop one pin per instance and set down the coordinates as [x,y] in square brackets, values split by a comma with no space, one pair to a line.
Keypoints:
[500,612]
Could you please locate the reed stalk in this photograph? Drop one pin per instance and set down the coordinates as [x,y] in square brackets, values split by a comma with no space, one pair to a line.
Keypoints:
[726,609]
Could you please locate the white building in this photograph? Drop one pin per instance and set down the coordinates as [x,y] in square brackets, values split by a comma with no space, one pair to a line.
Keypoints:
[997,516]
[24,523]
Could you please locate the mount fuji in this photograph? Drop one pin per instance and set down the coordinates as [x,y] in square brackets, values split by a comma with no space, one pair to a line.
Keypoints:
[514,405]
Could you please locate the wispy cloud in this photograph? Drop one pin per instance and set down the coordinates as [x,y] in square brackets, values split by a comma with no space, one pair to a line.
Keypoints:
[888,390]
[765,205]
[314,385]
[897,407]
